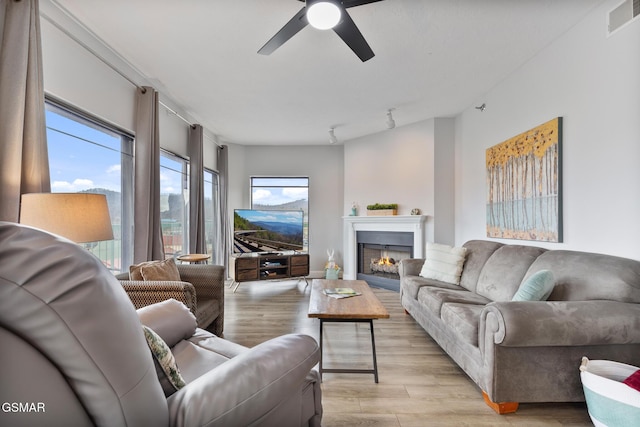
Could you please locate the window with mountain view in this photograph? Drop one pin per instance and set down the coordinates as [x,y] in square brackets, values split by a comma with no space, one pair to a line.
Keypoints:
[87,155]
[174,197]
[282,193]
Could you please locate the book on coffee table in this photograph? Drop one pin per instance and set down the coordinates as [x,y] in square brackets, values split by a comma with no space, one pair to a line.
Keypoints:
[340,292]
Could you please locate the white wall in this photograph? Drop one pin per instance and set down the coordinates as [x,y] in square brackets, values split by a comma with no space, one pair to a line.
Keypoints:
[410,165]
[76,76]
[591,80]
[324,167]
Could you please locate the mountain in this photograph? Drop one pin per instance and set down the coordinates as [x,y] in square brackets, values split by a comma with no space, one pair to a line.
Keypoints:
[114,201]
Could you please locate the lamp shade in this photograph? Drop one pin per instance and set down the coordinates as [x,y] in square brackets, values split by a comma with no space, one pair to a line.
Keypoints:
[80,217]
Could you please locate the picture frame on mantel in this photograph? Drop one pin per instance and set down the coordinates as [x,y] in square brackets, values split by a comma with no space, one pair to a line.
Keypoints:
[524,185]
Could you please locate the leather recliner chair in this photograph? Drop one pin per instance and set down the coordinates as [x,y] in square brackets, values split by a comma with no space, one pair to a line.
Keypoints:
[73,352]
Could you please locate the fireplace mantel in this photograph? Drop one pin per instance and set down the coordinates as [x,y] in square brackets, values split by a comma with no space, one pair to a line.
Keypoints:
[353,224]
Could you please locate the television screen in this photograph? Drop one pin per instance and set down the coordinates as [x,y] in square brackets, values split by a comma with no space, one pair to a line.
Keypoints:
[267,231]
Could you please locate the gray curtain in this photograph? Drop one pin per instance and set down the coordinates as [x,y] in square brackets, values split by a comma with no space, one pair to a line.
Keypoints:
[224,240]
[147,240]
[24,161]
[197,244]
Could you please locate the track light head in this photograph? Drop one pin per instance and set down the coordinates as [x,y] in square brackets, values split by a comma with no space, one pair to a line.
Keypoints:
[390,122]
[332,136]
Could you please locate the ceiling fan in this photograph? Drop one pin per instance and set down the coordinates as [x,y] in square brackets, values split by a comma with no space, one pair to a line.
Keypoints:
[324,15]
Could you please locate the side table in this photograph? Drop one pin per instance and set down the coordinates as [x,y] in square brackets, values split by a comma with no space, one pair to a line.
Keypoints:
[195,258]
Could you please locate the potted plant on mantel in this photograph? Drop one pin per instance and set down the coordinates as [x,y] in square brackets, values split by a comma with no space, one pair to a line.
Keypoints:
[381,209]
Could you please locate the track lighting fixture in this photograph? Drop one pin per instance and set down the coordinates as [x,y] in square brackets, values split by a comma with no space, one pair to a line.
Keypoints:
[332,136]
[390,122]
[482,107]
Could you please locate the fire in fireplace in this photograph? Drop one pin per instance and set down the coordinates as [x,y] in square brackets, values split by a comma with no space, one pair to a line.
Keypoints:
[384,264]
[379,256]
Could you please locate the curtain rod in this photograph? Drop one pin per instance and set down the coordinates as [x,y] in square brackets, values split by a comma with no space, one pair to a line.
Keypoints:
[91,51]
[172,111]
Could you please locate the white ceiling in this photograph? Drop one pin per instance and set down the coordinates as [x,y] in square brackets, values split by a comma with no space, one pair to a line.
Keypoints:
[434,58]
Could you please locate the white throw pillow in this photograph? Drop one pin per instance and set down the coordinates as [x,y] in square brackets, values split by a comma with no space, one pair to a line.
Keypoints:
[443,263]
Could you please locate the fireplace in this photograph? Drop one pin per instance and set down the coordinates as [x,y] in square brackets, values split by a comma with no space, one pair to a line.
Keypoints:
[379,256]
[375,237]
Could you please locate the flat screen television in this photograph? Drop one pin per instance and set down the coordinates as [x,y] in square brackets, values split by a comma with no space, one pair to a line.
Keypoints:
[267,231]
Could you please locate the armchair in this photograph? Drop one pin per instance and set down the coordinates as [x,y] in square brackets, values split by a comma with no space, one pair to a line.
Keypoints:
[201,289]
[74,353]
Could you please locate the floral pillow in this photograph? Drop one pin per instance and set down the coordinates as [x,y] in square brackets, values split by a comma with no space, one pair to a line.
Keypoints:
[166,367]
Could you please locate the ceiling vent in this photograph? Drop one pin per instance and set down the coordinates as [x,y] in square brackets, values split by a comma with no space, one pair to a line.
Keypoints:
[623,13]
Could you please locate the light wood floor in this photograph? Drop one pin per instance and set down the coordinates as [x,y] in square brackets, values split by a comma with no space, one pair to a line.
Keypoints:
[418,384]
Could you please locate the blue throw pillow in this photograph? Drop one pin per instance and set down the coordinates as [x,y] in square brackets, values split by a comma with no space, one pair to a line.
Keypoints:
[536,287]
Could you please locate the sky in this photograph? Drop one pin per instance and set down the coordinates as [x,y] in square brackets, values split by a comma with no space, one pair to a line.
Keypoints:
[85,156]
[277,191]
[90,160]
[82,157]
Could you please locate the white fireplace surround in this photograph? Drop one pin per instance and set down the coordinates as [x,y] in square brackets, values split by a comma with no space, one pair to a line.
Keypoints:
[352,224]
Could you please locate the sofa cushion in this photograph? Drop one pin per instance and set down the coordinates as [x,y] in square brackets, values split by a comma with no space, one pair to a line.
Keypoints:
[504,270]
[411,285]
[583,276]
[166,367]
[464,319]
[155,270]
[443,263]
[433,298]
[536,287]
[478,252]
[196,360]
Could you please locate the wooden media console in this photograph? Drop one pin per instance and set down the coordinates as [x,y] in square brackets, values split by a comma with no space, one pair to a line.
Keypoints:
[260,266]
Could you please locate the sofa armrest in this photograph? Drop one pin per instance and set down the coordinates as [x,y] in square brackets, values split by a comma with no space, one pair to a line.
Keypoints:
[410,266]
[144,293]
[248,386]
[559,323]
[208,280]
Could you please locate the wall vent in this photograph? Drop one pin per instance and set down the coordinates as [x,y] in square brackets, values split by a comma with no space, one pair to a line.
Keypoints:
[623,13]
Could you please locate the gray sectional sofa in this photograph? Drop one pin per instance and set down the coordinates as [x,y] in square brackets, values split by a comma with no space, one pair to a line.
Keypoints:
[528,351]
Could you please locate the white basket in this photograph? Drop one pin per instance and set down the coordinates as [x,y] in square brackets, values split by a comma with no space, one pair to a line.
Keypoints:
[610,402]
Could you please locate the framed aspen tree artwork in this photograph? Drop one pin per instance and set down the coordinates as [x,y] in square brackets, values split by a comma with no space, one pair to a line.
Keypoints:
[524,185]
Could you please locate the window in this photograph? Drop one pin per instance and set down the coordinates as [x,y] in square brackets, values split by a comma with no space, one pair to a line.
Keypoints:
[86,155]
[282,193]
[212,225]
[174,197]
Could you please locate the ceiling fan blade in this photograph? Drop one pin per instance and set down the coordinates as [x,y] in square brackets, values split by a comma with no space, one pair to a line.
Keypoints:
[353,3]
[290,29]
[351,35]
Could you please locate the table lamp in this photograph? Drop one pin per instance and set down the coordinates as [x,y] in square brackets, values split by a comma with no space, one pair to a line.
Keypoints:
[80,217]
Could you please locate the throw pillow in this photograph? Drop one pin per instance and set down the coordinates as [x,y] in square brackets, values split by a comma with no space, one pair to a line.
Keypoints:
[443,263]
[166,367]
[633,380]
[155,270]
[536,287]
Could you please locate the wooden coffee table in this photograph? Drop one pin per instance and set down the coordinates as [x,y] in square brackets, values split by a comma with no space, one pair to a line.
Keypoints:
[361,308]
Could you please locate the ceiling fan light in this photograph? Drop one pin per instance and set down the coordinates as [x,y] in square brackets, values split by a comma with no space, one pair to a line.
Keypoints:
[323,15]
